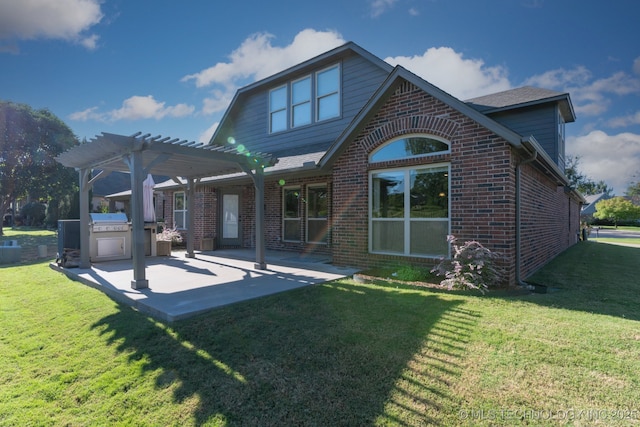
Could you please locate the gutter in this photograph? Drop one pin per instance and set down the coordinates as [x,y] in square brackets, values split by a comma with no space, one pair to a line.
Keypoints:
[519,280]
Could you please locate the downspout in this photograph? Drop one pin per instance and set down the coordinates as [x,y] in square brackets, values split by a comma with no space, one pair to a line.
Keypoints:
[519,280]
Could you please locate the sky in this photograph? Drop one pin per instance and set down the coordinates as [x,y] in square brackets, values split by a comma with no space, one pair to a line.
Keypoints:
[171,68]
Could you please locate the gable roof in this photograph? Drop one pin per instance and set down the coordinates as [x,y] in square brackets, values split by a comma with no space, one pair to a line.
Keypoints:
[523,97]
[476,109]
[326,58]
[589,208]
[398,74]
[526,145]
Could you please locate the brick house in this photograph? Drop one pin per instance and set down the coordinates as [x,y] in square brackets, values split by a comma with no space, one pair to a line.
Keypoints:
[376,165]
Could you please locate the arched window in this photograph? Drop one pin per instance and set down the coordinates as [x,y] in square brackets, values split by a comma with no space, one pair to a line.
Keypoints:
[409,207]
[409,146]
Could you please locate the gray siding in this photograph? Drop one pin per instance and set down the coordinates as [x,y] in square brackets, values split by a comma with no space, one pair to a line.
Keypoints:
[540,121]
[249,122]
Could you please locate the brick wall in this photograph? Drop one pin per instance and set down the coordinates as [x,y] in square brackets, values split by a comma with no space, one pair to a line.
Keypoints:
[273,214]
[550,220]
[205,217]
[482,198]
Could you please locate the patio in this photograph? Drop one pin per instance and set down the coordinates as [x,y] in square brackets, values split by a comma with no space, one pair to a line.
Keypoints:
[181,287]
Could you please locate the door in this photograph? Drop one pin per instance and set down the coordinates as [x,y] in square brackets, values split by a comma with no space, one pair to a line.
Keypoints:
[230,220]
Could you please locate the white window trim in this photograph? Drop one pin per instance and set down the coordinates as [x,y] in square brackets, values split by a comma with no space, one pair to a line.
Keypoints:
[407,206]
[309,100]
[286,105]
[314,100]
[317,97]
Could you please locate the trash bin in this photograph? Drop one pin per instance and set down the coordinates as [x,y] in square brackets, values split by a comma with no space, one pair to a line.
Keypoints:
[42,251]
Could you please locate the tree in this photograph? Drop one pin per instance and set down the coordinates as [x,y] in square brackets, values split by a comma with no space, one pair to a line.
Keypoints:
[581,182]
[617,209]
[29,141]
[633,192]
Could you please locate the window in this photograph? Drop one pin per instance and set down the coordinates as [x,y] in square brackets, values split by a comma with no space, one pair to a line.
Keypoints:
[179,210]
[409,146]
[301,102]
[561,146]
[317,213]
[291,214]
[328,93]
[409,211]
[313,98]
[278,109]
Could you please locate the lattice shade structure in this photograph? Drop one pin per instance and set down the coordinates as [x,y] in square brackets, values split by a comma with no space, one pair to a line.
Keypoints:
[163,156]
[140,155]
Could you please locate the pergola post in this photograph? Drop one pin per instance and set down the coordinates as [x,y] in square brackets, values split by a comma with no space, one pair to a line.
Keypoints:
[85,186]
[134,161]
[258,183]
[191,207]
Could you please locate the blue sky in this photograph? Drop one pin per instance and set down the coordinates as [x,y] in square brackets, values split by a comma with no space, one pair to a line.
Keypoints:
[170,68]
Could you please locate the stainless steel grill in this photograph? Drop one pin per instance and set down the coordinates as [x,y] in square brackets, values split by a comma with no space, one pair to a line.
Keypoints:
[109,237]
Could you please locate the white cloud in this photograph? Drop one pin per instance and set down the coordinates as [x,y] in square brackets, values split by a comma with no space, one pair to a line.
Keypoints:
[629,120]
[636,65]
[207,134]
[615,159]
[218,102]
[448,70]
[90,42]
[590,97]
[136,108]
[257,58]
[86,115]
[53,19]
[378,7]
[560,77]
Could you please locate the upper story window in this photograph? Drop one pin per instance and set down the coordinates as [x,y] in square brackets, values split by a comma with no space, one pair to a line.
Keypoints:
[409,146]
[312,98]
[561,136]
[301,102]
[278,109]
[328,93]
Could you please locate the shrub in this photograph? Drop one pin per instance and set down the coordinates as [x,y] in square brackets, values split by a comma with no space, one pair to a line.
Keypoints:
[472,266]
[410,273]
[170,235]
[33,213]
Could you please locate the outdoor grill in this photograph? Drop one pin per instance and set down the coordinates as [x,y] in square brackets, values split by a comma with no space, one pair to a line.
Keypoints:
[109,237]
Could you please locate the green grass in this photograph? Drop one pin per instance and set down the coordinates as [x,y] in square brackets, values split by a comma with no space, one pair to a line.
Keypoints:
[623,240]
[340,353]
[28,237]
[620,227]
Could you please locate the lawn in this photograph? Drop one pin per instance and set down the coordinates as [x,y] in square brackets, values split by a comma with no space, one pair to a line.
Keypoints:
[340,353]
[619,240]
[29,239]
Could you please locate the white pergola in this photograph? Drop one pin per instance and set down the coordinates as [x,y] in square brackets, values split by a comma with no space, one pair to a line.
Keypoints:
[140,155]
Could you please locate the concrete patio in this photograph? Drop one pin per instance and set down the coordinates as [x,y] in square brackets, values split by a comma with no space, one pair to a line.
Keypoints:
[181,287]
